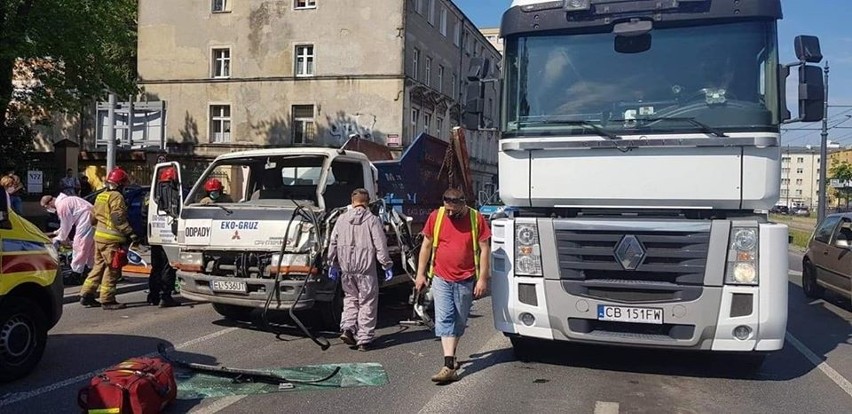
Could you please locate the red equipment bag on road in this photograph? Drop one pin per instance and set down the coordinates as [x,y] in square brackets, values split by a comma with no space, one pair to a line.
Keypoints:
[138,386]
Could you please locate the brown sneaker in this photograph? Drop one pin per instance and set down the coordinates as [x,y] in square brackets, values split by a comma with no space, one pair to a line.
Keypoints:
[112,306]
[348,338]
[445,375]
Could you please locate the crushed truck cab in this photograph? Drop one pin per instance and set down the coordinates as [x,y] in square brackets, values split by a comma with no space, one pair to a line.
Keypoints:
[31,292]
[261,241]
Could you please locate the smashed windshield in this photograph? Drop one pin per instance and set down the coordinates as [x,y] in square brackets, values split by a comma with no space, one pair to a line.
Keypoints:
[691,79]
[262,180]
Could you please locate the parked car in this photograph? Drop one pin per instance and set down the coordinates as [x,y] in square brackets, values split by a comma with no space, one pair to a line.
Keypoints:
[802,211]
[780,210]
[827,264]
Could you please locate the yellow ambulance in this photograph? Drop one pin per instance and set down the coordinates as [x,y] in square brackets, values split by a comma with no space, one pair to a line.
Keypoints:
[31,293]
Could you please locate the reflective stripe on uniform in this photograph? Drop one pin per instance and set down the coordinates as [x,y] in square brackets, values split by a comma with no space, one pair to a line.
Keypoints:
[474,227]
[105,230]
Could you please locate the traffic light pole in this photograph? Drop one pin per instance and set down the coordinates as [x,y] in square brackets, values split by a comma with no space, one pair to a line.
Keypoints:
[823,154]
[111,133]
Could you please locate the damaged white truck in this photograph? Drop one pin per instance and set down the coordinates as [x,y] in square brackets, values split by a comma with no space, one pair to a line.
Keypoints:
[264,248]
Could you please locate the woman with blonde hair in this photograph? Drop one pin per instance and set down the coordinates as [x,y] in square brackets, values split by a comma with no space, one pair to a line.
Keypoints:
[12,184]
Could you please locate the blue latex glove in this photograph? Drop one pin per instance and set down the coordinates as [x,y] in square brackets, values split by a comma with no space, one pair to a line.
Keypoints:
[388,274]
[334,273]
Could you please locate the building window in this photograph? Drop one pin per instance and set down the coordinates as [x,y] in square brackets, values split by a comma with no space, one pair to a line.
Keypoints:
[800,160]
[785,159]
[798,181]
[415,116]
[785,181]
[305,60]
[455,87]
[439,126]
[427,122]
[304,127]
[416,64]
[305,4]
[783,191]
[443,21]
[428,71]
[798,192]
[221,63]
[440,78]
[800,170]
[220,6]
[418,6]
[457,34]
[220,124]
[431,5]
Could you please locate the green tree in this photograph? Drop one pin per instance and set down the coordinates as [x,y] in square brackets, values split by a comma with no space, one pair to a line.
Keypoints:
[73,50]
[842,172]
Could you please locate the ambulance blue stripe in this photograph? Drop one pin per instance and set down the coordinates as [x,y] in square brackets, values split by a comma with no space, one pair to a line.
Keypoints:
[12,246]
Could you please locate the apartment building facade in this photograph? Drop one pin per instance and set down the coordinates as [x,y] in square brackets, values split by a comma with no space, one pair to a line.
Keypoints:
[800,168]
[238,74]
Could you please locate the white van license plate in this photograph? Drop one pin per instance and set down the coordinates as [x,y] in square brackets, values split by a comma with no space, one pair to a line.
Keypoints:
[630,314]
[228,286]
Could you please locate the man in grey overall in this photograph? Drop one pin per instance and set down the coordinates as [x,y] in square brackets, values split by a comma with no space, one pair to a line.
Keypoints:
[356,241]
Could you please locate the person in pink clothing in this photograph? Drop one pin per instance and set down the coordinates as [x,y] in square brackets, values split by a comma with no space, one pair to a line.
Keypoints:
[74,212]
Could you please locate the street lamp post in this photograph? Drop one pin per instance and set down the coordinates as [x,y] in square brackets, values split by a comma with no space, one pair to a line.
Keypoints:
[823,154]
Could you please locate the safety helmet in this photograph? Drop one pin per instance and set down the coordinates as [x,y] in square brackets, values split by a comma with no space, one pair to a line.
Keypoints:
[118,177]
[213,184]
[168,174]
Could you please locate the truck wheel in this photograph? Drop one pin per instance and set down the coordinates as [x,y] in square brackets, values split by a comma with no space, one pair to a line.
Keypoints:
[522,348]
[330,313]
[809,283]
[23,335]
[236,313]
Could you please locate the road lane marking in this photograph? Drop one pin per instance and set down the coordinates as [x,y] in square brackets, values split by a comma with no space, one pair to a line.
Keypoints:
[603,407]
[835,376]
[219,405]
[23,396]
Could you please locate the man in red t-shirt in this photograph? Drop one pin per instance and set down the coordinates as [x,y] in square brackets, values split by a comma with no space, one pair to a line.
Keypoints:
[456,281]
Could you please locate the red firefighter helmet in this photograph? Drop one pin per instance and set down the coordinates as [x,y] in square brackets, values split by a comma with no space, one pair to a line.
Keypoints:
[213,184]
[168,174]
[117,176]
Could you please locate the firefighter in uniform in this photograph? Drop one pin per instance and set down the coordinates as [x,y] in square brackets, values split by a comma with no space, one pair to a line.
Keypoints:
[215,192]
[112,231]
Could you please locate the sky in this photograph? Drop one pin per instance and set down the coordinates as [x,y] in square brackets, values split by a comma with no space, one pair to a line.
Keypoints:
[830,20]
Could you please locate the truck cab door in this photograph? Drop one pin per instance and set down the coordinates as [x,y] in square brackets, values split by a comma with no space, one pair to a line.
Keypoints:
[164,203]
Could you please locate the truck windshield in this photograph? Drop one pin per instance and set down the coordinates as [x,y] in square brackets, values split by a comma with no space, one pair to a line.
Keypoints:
[719,78]
[263,180]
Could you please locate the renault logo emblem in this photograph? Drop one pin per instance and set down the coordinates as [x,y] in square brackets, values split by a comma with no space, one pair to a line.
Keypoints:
[629,252]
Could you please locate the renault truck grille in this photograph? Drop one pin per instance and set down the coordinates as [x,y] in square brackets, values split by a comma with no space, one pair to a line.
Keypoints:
[633,266]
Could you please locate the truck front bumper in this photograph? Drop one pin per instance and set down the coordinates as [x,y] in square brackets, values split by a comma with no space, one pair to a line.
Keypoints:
[197,287]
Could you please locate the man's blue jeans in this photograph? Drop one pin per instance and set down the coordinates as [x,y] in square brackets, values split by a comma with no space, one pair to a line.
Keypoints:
[453,301]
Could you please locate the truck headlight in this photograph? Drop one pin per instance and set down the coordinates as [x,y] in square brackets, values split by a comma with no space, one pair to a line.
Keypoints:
[742,266]
[527,250]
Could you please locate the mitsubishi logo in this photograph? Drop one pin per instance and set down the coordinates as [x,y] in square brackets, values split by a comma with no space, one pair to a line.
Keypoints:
[629,252]
[236,235]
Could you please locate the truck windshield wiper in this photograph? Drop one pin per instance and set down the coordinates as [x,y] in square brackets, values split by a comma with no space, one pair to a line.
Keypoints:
[227,210]
[704,127]
[600,131]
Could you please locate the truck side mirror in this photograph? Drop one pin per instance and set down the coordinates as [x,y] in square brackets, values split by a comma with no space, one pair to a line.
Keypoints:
[807,49]
[474,106]
[811,94]
[5,223]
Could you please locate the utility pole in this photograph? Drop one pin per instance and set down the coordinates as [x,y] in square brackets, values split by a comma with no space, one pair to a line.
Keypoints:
[111,133]
[823,153]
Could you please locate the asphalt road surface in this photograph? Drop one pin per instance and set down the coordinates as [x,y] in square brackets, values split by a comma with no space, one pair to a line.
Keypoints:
[811,374]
